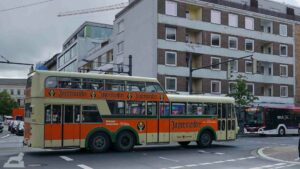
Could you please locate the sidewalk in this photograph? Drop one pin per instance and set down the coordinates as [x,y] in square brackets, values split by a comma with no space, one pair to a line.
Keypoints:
[288,154]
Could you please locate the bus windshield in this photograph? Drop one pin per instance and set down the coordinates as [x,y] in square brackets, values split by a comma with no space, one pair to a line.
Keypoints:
[254,116]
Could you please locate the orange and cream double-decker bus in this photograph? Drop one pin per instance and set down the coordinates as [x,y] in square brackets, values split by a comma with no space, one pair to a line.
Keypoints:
[96,112]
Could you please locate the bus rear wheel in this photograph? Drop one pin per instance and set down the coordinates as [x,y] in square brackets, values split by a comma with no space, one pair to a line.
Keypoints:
[125,141]
[99,143]
[281,132]
[184,143]
[205,139]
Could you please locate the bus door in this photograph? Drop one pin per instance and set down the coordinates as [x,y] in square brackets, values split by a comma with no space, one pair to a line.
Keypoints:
[152,128]
[222,129]
[164,122]
[71,126]
[53,126]
[231,121]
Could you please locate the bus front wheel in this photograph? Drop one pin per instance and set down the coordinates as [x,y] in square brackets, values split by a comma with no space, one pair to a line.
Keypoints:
[99,143]
[184,143]
[125,141]
[281,131]
[205,139]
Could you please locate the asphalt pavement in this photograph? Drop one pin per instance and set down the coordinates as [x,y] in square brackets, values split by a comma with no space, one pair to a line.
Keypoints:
[251,152]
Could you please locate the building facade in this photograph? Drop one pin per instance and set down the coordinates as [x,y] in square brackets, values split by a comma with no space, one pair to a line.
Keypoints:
[14,87]
[86,37]
[162,35]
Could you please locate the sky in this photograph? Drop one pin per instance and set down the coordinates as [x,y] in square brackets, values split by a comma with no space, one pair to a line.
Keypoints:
[35,33]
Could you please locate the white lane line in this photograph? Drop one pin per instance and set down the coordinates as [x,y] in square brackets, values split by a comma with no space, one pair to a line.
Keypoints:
[176,167]
[261,153]
[168,159]
[66,158]
[217,162]
[191,165]
[269,166]
[219,153]
[84,166]
[7,135]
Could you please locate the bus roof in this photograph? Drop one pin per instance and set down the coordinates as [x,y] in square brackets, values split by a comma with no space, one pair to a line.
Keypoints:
[93,75]
[200,98]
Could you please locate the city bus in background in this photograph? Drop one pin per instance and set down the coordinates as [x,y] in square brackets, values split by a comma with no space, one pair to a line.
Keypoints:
[96,112]
[272,120]
[18,113]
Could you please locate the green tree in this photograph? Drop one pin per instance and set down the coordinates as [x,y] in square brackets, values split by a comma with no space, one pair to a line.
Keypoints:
[241,94]
[7,103]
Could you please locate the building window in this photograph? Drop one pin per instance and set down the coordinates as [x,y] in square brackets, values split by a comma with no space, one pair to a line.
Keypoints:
[121,27]
[283,91]
[215,40]
[120,47]
[171,34]
[249,23]
[283,50]
[19,92]
[283,30]
[249,45]
[248,67]
[284,70]
[232,87]
[171,83]
[215,87]
[171,58]
[215,17]
[234,65]
[232,42]
[250,88]
[171,8]
[233,20]
[214,61]
[11,91]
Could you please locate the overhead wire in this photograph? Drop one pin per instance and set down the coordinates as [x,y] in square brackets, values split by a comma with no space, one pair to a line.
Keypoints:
[25,6]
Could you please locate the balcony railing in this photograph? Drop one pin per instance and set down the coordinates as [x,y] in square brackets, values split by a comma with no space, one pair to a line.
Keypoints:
[252,9]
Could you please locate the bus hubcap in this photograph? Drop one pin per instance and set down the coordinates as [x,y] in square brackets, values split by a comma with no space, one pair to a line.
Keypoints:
[205,139]
[125,141]
[99,142]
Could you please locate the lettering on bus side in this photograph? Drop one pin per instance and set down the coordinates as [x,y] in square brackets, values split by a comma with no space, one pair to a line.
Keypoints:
[181,125]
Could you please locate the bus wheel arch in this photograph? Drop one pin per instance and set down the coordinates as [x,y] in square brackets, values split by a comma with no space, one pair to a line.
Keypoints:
[101,134]
[281,131]
[125,140]
[205,136]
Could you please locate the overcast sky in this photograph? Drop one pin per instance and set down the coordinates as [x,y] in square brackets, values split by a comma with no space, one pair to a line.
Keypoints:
[35,33]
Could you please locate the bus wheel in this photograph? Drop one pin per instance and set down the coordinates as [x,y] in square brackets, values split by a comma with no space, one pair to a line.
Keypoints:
[281,131]
[99,143]
[205,139]
[125,141]
[184,143]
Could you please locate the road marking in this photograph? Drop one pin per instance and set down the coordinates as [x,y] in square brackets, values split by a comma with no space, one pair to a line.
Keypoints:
[211,163]
[219,153]
[269,166]
[7,135]
[15,162]
[260,152]
[84,166]
[66,158]
[168,159]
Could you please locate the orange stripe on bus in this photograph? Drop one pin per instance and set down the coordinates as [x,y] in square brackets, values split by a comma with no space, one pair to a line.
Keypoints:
[105,95]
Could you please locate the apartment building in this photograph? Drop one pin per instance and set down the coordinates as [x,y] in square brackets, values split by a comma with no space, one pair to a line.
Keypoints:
[14,87]
[162,35]
[88,36]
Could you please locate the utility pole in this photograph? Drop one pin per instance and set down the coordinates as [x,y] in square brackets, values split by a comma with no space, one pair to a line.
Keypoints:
[191,69]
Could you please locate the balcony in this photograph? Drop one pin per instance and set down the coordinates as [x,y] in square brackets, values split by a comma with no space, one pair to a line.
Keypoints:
[193,36]
[264,68]
[266,90]
[267,48]
[197,86]
[266,26]
[193,12]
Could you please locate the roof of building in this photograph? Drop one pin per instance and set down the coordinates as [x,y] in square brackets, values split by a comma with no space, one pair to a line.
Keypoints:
[131,5]
[52,61]
[85,24]
[13,82]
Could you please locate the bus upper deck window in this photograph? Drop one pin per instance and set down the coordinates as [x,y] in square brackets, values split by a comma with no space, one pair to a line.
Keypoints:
[153,87]
[115,85]
[93,84]
[135,86]
[51,82]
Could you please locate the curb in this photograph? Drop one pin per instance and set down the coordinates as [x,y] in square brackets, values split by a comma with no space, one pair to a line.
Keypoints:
[261,153]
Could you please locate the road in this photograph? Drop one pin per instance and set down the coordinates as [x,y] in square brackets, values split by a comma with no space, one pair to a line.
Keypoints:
[241,153]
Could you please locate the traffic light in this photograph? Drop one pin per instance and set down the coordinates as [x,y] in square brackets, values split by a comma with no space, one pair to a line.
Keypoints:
[230,67]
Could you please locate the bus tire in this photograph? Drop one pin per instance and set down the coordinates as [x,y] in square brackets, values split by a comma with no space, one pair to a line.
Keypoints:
[281,132]
[205,139]
[184,143]
[99,142]
[125,141]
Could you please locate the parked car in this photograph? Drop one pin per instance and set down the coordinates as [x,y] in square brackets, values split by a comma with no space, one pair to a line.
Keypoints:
[14,126]
[20,129]
[7,119]
[9,124]
[1,126]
